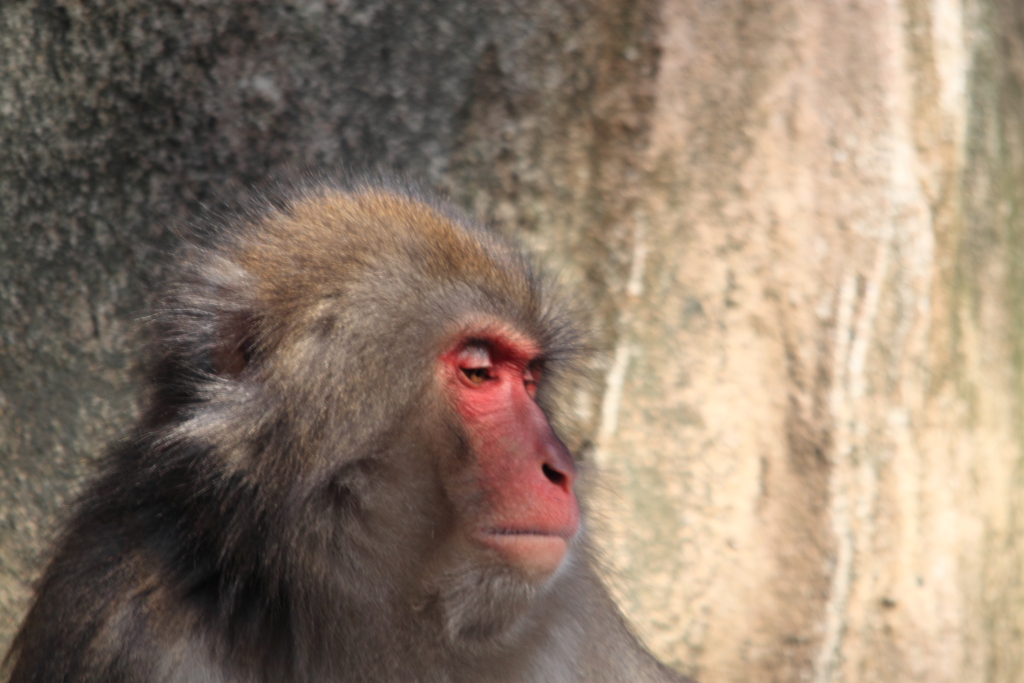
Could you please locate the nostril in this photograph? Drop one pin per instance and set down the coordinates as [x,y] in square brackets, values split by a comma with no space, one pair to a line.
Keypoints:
[553,475]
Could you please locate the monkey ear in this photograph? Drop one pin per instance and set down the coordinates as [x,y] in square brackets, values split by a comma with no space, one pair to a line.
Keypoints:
[233,345]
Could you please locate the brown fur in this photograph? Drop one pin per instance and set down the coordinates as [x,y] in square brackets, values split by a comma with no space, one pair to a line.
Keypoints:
[277,514]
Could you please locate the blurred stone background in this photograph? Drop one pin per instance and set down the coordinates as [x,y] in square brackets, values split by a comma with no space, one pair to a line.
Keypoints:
[799,226]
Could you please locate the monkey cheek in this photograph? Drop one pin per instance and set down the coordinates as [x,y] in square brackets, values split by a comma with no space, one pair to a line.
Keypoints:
[536,556]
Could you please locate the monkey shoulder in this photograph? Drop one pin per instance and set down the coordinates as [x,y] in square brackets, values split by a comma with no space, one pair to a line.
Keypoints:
[87,625]
[109,609]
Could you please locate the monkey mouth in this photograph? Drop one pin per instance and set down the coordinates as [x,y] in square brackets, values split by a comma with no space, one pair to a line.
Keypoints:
[497,531]
[537,554]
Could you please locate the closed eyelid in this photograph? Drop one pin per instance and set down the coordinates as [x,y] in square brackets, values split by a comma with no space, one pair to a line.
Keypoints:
[475,356]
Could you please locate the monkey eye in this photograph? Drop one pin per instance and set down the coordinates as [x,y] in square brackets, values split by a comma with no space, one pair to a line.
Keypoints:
[475,375]
[475,362]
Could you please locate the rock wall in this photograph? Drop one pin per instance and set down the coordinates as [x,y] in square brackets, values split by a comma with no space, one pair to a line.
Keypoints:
[799,227]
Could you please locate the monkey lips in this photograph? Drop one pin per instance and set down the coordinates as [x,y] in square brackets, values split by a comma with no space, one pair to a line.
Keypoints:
[536,554]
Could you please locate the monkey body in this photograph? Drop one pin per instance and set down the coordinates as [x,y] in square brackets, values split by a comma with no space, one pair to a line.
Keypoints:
[345,470]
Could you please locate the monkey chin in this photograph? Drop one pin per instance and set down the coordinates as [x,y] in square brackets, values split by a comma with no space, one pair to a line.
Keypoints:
[537,556]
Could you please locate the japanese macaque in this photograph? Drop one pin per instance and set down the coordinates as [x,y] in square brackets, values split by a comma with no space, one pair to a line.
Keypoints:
[345,470]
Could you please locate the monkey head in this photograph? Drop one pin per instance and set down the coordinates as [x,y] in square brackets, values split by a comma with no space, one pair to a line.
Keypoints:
[368,374]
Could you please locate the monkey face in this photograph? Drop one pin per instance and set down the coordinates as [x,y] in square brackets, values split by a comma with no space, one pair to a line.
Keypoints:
[524,510]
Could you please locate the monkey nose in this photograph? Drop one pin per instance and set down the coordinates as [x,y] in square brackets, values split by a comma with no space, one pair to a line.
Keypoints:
[559,476]
[559,472]
[556,463]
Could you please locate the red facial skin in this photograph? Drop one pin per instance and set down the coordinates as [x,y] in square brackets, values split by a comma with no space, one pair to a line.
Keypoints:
[524,470]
